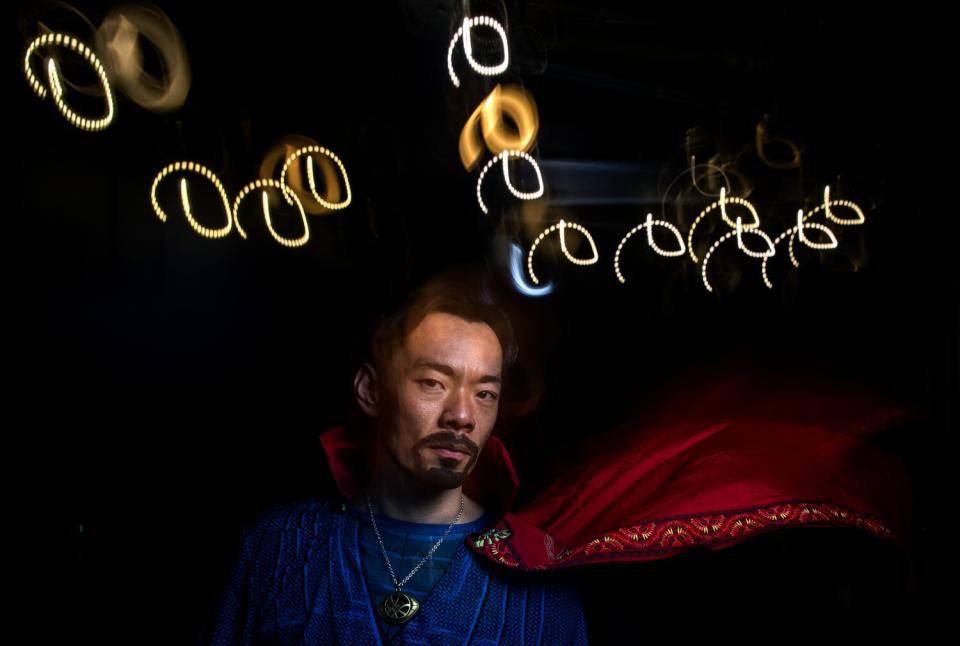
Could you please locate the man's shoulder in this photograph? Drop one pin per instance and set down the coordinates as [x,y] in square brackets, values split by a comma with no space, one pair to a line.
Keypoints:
[304,517]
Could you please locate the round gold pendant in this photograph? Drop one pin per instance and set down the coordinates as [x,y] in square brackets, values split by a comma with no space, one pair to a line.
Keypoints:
[398,607]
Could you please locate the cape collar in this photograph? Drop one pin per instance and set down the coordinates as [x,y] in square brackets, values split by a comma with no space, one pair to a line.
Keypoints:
[492,483]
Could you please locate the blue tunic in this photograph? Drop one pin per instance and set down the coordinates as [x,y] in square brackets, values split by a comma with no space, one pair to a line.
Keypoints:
[406,544]
[300,580]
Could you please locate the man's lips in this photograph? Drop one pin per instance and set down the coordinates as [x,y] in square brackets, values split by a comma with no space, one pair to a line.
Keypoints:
[450,453]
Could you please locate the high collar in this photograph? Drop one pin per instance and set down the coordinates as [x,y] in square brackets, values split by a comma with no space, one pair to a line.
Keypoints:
[492,483]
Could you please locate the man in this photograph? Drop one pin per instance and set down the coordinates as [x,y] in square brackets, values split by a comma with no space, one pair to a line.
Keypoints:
[387,562]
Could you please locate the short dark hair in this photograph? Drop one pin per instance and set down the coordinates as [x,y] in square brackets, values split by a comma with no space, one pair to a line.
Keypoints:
[453,293]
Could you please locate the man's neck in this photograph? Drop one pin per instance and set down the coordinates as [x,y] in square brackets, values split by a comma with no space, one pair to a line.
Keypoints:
[400,498]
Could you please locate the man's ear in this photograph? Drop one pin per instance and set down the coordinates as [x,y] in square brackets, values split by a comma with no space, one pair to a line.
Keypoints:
[366,388]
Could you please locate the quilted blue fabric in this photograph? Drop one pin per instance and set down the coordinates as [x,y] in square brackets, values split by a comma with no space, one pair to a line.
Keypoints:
[299,579]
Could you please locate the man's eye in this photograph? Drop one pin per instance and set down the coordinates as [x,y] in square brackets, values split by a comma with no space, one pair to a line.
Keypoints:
[430,383]
[488,394]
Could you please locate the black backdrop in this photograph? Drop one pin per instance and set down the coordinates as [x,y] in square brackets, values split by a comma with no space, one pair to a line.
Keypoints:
[169,387]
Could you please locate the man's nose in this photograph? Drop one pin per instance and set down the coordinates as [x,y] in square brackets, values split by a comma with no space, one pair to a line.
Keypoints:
[459,412]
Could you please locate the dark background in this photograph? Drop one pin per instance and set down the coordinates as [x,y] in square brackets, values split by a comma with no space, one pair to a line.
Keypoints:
[170,387]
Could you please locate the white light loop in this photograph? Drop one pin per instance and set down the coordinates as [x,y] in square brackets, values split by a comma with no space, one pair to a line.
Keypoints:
[504,157]
[561,227]
[722,204]
[827,203]
[801,226]
[755,254]
[648,225]
[465,32]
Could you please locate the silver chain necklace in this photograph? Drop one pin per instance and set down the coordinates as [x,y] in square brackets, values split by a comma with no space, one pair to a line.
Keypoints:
[398,607]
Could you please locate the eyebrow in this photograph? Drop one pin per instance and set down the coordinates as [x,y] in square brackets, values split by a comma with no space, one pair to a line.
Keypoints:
[448,370]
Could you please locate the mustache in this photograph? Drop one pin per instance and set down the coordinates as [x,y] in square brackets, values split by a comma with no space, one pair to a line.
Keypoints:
[452,442]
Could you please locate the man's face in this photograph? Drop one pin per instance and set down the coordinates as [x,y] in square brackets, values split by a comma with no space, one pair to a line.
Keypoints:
[440,399]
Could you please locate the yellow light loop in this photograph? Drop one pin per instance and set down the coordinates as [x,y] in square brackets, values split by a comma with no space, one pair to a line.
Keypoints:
[317,150]
[273,161]
[511,101]
[329,180]
[518,104]
[763,139]
[291,197]
[53,75]
[470,145]
[203,171]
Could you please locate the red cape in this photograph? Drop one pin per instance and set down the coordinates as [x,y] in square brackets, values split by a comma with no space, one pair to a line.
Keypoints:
[718,463]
